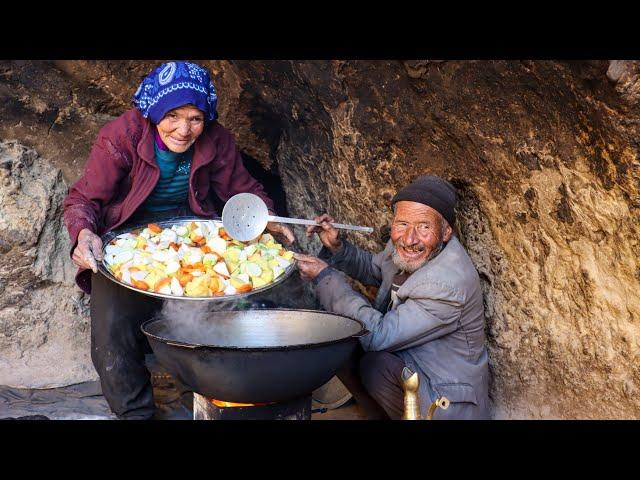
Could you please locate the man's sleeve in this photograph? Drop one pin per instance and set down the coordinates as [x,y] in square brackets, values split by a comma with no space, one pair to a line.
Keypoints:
[355,262]
[421,318]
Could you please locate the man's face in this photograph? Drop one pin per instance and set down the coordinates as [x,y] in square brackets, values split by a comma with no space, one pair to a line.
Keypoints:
[180,127]
[416,233]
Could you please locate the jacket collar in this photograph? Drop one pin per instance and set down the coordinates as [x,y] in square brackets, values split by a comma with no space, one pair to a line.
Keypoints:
[145,147]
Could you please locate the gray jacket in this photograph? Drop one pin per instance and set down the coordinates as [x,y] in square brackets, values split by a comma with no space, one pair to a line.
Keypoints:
[437,326]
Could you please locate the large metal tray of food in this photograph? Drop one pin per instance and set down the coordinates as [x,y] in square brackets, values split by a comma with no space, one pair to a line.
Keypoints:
[192,258]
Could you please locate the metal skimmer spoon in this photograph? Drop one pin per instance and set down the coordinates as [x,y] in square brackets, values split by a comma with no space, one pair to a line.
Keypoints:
[245,216]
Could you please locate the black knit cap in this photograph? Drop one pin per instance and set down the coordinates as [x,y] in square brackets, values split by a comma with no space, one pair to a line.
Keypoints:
[433,191]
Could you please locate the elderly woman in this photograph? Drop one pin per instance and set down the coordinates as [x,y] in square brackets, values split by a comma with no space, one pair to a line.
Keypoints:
[166,157]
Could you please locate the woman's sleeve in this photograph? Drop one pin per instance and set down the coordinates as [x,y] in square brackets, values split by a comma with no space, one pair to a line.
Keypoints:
[105,168]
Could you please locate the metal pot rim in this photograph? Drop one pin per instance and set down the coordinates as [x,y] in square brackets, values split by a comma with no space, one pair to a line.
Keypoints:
[176,343]
[107,237]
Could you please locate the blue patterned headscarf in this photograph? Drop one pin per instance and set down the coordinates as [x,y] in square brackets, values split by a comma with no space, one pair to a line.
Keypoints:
[173,85]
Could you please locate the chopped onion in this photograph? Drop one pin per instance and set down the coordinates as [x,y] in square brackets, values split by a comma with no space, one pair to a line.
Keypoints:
[176,288]
[139,275]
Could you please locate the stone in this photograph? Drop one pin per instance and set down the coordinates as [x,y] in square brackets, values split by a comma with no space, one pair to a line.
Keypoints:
[44,326]
[626,76]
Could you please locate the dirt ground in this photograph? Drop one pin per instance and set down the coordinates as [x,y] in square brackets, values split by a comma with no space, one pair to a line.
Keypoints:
[348,411]
[84,401]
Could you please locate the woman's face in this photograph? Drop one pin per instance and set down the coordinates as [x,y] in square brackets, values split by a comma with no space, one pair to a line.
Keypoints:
[180,127]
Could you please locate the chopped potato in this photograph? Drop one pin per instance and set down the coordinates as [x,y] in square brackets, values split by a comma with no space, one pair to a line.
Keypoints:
[196,259]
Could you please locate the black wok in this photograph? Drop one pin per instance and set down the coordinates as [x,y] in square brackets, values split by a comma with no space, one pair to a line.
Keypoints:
[254,356]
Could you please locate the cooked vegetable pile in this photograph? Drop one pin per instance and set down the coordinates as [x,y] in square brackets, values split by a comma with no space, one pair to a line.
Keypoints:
[197,259]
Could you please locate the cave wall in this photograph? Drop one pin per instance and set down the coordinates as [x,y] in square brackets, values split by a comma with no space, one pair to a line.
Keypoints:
[44,319]
[544,155]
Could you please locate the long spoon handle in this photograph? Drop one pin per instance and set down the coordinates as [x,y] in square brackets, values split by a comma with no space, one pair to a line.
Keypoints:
[301,221]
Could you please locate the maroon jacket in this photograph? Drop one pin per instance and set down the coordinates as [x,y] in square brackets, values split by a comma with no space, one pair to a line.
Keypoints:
[121,173]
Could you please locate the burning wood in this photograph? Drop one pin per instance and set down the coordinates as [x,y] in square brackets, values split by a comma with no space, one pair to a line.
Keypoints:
[206,408]
[223,404]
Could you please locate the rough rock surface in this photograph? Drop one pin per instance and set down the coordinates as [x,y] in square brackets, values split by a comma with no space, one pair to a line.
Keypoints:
[544,154]
[44,326]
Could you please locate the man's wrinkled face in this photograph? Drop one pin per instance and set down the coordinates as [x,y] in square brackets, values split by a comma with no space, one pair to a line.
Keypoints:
[180,127]
[417,232]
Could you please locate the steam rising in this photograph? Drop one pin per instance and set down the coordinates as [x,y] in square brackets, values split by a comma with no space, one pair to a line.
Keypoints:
[193,322]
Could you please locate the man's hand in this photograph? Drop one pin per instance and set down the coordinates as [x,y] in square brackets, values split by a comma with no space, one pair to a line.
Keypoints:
[327,233]
[309,265]
[88,251]
[281,230]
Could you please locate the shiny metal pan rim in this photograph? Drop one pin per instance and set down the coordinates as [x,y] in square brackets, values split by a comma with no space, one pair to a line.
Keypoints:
[104,269]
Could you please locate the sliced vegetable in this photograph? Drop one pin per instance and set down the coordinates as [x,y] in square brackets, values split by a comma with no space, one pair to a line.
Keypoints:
[198,259]
[153,228]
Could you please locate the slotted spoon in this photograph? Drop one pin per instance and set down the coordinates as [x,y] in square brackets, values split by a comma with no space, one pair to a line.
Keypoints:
[245,216]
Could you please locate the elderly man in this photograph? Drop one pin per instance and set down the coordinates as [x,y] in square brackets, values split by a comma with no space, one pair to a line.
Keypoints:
[428,314]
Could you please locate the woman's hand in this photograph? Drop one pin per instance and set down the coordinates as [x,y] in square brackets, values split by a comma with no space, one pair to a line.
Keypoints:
[88,251]
[327,233]
[281,230]
[309,265]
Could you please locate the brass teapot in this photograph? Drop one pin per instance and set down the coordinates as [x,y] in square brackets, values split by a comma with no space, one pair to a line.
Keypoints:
[410,384]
